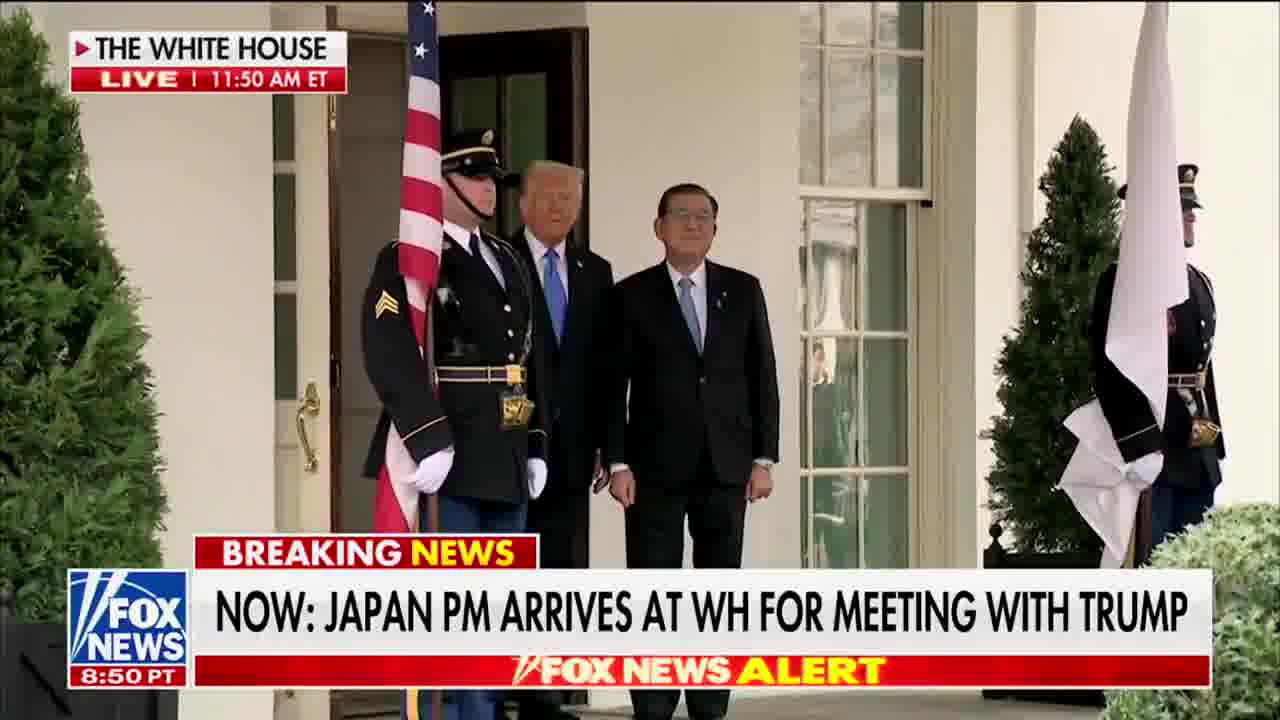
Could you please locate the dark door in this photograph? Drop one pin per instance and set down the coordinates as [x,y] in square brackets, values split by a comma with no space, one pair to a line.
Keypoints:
[531,88]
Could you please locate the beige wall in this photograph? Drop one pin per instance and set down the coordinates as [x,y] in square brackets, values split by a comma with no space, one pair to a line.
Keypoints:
[185,186]
[1224,62]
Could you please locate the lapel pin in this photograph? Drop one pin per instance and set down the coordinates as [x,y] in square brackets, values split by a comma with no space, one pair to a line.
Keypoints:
[579,263]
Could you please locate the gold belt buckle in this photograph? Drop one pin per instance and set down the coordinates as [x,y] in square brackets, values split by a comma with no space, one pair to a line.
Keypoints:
[1204,433]
[515,374]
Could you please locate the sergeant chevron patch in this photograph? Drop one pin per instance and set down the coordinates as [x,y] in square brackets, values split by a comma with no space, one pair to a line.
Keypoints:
[386,304]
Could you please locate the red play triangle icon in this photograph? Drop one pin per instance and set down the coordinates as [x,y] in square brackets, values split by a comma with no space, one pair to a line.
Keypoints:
[81,48]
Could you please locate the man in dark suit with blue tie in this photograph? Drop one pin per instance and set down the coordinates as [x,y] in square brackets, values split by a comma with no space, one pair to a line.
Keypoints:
[567,321]
[699,435]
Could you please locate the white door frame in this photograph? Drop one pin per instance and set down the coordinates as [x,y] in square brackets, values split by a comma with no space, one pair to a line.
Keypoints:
[304,466]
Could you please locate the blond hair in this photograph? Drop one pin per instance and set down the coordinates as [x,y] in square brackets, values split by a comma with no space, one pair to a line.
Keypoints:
[543,168]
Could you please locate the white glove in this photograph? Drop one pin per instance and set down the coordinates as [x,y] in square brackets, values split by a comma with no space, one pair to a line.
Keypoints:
[537,476]
[1144,470]
[433,470]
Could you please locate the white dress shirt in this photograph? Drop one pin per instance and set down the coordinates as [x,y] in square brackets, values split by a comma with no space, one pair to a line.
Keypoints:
[539,252]
[462,238]
[699,293]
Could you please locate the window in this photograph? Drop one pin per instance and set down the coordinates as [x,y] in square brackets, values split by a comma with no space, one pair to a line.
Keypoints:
[850,136]
[861,173]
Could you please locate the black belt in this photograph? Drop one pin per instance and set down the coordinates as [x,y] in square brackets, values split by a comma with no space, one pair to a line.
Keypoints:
[503,375]
[1188,381]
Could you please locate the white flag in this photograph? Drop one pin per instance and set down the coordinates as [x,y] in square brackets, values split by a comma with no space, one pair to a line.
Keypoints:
[1151,277]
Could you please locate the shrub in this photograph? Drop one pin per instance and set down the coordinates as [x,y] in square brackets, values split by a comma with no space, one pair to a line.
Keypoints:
[79,448]
[1241,544]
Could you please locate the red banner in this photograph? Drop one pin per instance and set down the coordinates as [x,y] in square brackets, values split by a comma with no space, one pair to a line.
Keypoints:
[504,671]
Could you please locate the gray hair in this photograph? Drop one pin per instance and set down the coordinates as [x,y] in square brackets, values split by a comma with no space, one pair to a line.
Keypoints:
[542,168]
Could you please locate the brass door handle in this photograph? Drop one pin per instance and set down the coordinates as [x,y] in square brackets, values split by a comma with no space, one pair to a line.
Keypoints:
[310,406]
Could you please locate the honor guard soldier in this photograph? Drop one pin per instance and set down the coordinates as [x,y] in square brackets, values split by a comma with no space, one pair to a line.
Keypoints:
[479,443]
[1192,441]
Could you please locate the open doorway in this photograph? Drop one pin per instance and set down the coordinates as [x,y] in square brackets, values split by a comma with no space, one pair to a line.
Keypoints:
[532,92]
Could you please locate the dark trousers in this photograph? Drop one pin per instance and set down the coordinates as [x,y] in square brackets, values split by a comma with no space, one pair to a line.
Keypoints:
[1174,509]
[560,518]
[1179,498]
[463,515]
[655,540]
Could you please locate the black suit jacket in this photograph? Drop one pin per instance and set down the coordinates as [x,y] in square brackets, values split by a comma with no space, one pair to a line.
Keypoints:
[725,400]
[1191,330]
[475,322]
[575,367]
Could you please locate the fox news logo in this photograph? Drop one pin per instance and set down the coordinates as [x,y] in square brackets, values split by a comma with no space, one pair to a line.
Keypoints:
[134,618]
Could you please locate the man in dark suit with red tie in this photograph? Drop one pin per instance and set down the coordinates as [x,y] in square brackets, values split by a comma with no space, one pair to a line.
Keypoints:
[568,321]
[699,436]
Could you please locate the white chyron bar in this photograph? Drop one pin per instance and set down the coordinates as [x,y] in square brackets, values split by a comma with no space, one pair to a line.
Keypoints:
[208,62]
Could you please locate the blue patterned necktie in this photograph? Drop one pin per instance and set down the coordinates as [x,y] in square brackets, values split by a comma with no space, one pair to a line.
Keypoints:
[553,291]
[690,314]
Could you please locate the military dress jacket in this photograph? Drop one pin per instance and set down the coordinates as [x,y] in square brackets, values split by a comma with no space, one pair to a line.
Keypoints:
[476,323]
[1191,327]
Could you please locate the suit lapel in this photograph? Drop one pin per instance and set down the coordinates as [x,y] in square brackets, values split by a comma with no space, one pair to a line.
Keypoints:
[715,306]
[510,273]
[479,267]
[575,264]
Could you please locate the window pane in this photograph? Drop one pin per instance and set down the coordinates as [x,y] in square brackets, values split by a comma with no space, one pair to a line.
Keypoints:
[886,267]
[833,284]
[885,391]
[886,534]
[806,512]
[835,522]
[849,23]
[833,374]
[810,22]
[804,279]
[475,103]
[524,134]
[284,198]
[805,418]
[286,324]
[900,122]
[848,109]
[901,25]
[810,116]
[282,128]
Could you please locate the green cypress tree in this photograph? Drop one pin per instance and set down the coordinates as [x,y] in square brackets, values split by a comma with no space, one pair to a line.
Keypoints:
[1045,366]
[79,449]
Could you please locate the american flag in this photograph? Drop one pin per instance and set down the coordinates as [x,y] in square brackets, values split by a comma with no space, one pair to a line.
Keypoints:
[421,233]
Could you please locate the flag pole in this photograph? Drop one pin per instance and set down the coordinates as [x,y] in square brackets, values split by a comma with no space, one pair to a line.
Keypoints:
[433,499]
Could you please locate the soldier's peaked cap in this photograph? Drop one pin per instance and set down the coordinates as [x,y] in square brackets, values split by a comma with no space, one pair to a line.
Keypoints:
[471,153]
[1187,173]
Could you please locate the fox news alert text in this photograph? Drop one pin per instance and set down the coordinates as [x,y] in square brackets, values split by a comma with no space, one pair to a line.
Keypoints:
[208,62]
[452,611]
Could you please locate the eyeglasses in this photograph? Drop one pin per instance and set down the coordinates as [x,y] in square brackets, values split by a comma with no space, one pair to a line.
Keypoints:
[701,216]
